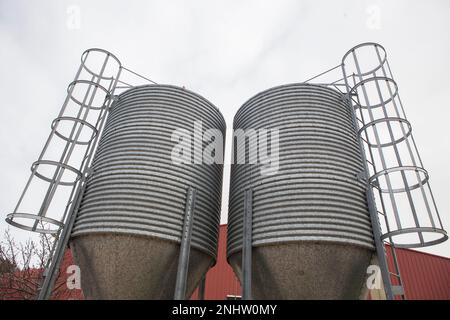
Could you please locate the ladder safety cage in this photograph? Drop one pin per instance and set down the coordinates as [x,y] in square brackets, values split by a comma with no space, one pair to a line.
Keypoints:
[407,215]
[62,163]
[397,182]
[58,178]
[396,171]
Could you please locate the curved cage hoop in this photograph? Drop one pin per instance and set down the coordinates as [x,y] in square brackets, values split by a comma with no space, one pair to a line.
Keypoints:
[58,166]
[362,84]
[76,122]
[11,219]
[439,234]
[107,55]
[387,121]
[89,84]
[353,51]
[420,172]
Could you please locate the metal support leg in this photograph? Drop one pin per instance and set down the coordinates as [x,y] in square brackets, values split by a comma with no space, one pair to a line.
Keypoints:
[379,246]
[201,288]
[247,246]
[185,246]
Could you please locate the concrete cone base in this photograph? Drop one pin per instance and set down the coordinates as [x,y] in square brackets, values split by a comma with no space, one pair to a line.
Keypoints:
[306,270]
[116,266]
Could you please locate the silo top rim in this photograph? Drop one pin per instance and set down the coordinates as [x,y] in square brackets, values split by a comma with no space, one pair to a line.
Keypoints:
[286,86]
[175,88]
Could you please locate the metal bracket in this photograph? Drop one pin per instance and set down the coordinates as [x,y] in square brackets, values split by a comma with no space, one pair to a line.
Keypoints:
[398,290]
[362,176]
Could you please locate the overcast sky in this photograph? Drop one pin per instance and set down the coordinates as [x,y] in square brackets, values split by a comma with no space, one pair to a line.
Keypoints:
[227,51]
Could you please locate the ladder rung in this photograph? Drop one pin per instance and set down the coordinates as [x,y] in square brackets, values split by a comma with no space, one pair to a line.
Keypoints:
[394,274]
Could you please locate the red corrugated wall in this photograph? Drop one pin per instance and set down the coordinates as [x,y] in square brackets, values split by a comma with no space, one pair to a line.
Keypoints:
[425,276]
[220,279]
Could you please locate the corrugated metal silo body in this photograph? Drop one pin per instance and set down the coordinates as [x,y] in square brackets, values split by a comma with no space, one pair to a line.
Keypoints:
[312,236]
[127,234]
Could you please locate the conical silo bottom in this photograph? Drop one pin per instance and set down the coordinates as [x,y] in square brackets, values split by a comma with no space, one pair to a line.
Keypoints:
[306,270]
[115,266]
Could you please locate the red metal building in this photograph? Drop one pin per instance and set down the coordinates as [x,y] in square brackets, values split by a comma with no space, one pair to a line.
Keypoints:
[425,276]
[220,279]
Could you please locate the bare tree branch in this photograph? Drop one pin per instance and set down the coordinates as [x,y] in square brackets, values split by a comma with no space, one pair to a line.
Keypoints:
[22,265]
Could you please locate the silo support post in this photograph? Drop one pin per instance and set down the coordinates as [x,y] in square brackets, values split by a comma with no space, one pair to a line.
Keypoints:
[185,246]
[247,246]
[379,246]
[201,288]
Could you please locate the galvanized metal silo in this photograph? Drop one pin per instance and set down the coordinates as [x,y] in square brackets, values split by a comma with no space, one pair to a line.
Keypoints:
[312,234]
[126,237]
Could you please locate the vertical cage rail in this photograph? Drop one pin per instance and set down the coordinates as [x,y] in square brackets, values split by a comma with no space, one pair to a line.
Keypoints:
[63,163]
[407,213]
[374,217]
[389,268]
